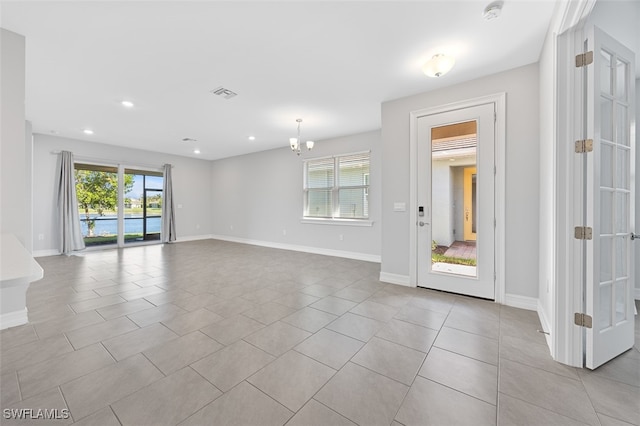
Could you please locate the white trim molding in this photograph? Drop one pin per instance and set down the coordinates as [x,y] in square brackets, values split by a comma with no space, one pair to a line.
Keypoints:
[522,302]
[194,238]
[403,280]
[500,102]
[45,253]
[305,249]
[14,319]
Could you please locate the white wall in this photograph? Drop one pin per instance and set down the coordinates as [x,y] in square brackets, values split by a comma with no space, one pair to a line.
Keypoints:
[522,174]
[15,191]
[258,198]
[191,185]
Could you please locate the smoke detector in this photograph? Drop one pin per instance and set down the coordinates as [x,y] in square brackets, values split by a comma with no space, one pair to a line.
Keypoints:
[492,11]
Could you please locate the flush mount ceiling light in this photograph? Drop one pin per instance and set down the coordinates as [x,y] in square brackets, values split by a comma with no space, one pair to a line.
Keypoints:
[492,11]
[438,66]
[196,151]
[296,143]
[252,138]
[127,104]
[87,131]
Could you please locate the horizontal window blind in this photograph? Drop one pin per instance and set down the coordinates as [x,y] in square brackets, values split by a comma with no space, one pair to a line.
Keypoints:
[337,187]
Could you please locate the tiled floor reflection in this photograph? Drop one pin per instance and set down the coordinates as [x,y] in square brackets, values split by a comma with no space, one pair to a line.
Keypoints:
[212,333]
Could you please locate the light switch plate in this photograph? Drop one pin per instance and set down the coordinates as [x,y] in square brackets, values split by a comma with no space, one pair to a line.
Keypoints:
[399,207]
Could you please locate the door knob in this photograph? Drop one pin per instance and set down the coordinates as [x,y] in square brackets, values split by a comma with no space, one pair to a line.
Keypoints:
[421,223]
[634,237]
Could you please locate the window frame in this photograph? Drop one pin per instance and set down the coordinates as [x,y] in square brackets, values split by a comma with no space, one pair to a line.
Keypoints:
[335,218]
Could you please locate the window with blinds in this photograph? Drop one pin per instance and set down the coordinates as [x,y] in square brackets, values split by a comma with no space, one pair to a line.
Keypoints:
[337,187]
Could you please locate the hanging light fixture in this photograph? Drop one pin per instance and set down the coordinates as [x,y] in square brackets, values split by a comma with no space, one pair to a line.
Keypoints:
[296,143]
[438,66]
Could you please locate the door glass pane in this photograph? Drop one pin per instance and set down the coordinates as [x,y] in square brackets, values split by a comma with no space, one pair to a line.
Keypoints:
[605,73]
[153,212]
[133,207]
[454,179]
[621,257]
[97,194]
[622,125]
[143,205]
[606,212]
[605,306]
[622,212]
[621,80]
[606,248]
[622,168]
[606,120]
[606,165]
[153,182]
[621,306]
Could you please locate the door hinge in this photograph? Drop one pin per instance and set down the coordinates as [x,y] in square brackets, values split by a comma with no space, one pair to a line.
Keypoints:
[583,320]
[495,223]
[584,145]
[495,170]
[584,59]
[583,233]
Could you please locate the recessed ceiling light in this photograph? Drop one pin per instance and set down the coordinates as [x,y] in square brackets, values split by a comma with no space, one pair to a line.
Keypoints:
[127,104]
[252,138]
[88,131]
[196,151]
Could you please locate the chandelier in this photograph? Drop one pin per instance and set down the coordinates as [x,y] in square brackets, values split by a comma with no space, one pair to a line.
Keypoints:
[296,143]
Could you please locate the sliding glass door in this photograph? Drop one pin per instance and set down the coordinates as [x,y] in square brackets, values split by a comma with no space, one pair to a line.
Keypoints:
[100,206]
[143,206]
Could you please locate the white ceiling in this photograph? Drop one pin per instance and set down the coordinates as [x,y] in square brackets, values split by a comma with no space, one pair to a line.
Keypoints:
[330,63]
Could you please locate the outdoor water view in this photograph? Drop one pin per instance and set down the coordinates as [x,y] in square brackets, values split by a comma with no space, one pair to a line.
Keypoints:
[97,193]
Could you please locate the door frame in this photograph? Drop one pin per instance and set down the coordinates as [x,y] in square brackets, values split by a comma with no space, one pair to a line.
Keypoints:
[499,99]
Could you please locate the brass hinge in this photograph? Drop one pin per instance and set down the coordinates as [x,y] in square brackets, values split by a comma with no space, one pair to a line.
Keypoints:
[583,320]
[584,145]
[583,233]
[584,59]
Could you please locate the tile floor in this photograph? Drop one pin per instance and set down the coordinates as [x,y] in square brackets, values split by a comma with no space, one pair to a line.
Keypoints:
[212,333]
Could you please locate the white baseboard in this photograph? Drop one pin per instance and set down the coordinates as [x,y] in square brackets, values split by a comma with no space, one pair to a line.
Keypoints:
[305,249]
[522,302]
[44,253]
[14,319]
[193,238]
[387,277]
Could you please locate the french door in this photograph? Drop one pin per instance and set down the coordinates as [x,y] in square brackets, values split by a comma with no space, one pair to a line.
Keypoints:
[456,201]
[609,203]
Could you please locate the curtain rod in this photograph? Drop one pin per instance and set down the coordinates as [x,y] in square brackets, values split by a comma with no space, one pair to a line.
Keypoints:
[112,162]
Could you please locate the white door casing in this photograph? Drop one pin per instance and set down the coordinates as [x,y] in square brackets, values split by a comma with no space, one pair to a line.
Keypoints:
[482,284]
[609,199]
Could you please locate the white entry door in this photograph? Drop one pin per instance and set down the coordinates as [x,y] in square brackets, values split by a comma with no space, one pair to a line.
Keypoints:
[456,191]
[610,186]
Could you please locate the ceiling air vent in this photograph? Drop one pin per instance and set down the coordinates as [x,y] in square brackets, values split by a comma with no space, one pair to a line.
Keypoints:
[189,140]
[225,93]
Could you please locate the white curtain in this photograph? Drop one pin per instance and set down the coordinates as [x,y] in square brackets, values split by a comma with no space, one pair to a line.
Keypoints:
[68,217]
[168,215]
